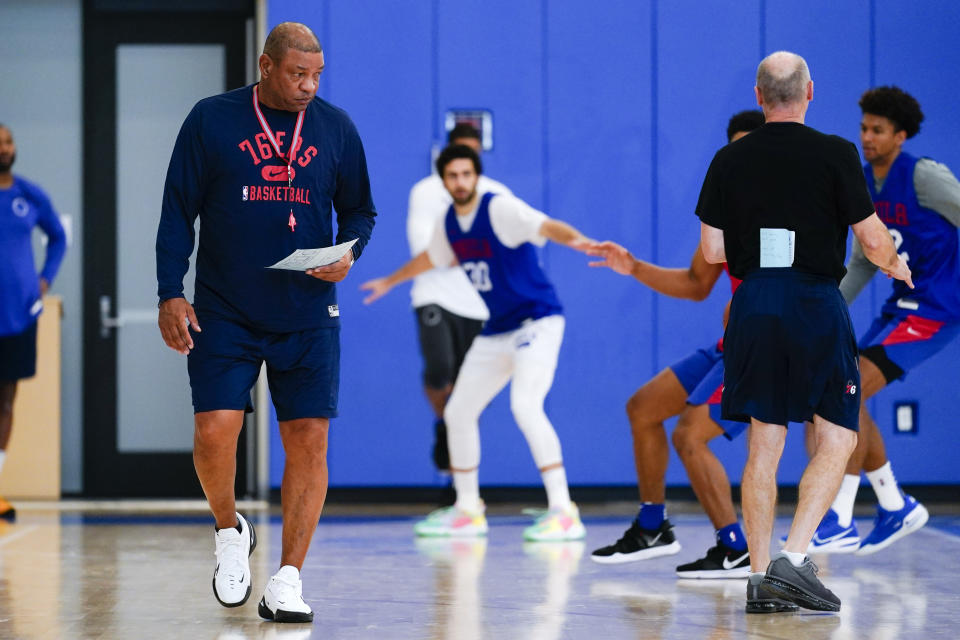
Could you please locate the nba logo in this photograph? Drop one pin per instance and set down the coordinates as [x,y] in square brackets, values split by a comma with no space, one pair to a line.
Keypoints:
[245,190]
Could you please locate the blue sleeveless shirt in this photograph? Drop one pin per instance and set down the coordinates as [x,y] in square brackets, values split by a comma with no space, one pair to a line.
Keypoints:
[510,281]
[925,239]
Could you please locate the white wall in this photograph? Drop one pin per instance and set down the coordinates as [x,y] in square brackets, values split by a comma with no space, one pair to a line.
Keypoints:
[41,101]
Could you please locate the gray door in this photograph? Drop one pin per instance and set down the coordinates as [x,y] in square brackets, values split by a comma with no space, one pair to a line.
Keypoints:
[138,417]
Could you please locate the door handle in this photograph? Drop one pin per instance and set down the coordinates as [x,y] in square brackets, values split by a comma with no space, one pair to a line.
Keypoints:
[123,317]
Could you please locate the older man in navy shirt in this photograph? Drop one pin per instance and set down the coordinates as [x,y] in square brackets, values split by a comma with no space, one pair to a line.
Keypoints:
[261,167]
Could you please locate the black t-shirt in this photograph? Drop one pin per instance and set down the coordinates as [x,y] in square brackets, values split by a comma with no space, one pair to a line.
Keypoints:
[786,175]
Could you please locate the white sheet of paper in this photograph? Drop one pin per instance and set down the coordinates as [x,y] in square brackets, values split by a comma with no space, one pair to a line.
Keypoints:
[303,259]
[776,248]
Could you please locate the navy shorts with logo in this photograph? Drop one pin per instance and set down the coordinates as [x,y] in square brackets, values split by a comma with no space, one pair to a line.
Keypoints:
[18,355]
[790,351]
[303,368]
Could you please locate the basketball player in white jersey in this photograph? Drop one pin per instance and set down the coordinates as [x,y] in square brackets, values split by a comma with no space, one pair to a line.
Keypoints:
[493,237]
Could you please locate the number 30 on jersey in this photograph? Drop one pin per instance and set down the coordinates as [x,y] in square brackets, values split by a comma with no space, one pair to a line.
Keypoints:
[479,273]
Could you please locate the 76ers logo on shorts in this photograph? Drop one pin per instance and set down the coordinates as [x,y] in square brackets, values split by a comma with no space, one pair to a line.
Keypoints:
[851,388]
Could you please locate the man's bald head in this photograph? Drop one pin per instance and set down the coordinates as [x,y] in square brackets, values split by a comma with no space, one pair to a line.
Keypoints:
[782,79]
[290,35]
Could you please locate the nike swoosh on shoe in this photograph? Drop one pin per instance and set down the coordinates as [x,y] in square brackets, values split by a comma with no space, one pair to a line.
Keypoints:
[730,565]
[818,540]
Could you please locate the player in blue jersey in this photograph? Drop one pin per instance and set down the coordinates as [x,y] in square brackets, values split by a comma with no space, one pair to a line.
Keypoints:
[23,206]
[919,201]
[261,167]
[492,237]
[691,389]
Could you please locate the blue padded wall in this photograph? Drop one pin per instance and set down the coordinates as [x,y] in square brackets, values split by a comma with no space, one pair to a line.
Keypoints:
[606,115]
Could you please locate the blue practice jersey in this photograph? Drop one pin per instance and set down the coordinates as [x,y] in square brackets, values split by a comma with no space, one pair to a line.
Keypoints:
[224,170]
[510,281]
[22,207]
[928,242]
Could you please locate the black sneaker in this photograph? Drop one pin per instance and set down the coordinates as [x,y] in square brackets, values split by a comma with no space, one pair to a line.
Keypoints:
[721,562]
[639,544]
[441,454]
[799,585]
[762,600]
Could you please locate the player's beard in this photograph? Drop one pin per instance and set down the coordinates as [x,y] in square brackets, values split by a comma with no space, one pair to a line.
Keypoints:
[5,165]
[463,201]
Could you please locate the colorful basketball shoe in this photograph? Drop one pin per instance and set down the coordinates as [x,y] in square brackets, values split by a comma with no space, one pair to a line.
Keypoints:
[452,521]
[890,526]
[556,524]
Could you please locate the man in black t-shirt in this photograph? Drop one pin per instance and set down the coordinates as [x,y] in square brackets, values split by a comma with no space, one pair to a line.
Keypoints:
[776,206]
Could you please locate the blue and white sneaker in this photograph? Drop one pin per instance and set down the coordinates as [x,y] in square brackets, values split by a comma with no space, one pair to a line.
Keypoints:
[890,526]
[830,537]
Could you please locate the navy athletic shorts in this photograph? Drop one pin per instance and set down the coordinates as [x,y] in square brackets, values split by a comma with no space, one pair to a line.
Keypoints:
[701,375]
[790,351]
[18,355]
[303,368]
[899,343]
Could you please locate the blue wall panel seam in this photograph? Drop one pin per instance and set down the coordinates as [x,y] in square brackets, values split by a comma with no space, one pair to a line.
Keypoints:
[435,68]
[763,29]
[545,103]
[873,43]
[326,44]
[654,178]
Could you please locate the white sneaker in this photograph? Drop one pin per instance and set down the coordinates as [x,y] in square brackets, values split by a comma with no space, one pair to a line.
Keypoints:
[282,599]
[231,579]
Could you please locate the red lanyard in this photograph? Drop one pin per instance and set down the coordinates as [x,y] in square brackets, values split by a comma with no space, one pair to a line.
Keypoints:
[267,131]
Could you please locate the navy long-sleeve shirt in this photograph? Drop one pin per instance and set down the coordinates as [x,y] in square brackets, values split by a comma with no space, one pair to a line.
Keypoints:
[224,170]
[22,207]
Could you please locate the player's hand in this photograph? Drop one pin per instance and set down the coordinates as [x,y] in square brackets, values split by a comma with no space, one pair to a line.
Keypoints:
[378,287]
[614,256]
[173,318]
[333,272]
[900,271]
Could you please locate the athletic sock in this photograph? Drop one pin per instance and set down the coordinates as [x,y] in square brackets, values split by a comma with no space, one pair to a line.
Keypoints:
[796,559]
[467,485]
[237,526]
[558,494]
[886,488]
[3,456]
[732,536]
[846,496]
[651,515]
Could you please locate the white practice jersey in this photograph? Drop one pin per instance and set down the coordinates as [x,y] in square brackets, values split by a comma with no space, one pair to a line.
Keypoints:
[447,287]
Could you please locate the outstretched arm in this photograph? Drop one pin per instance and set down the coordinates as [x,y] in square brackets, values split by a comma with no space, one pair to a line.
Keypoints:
[859,272]
[378,287]
[693,283]
[563,233]
[877,244]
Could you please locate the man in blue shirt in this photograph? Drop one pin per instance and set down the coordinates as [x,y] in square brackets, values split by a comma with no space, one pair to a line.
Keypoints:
[23,206]
[261,167]
[919,201]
